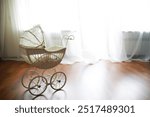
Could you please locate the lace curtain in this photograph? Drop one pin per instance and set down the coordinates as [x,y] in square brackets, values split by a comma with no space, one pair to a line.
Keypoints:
[117,30]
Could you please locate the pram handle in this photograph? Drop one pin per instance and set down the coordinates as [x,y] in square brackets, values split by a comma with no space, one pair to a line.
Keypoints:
[68,37]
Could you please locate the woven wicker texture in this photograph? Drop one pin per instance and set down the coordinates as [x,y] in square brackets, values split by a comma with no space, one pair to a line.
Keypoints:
[34,52]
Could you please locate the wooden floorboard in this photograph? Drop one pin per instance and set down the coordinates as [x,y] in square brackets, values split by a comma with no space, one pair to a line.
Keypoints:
[102,80]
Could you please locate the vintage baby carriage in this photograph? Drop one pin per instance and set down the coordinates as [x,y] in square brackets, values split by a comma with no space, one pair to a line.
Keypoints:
[34,52]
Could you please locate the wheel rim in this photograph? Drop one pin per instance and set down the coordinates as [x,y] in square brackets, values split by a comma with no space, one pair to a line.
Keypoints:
[58,80]
[27,77]
[37,85]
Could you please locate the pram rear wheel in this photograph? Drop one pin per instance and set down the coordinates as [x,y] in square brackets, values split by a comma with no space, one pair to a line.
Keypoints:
[58,80]
[37,85]
[27,76]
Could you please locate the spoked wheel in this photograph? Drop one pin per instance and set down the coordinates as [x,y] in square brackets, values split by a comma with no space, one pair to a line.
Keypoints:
[28,76]
[38,85]
[58,80]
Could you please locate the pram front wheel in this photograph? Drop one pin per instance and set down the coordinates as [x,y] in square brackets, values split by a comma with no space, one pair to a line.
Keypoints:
[37,85]
[27,77]
[58,80]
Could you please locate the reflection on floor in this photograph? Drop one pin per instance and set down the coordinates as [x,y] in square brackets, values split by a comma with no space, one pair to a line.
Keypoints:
[47,95]
[102,80]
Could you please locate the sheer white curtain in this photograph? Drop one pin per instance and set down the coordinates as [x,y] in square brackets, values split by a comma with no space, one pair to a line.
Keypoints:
[117,30]
[9,43]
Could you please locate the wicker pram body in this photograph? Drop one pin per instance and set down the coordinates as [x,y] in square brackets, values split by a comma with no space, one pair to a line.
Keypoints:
[41,58]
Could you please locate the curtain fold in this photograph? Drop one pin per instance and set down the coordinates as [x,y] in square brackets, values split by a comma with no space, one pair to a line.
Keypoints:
[9,30]
[117,30]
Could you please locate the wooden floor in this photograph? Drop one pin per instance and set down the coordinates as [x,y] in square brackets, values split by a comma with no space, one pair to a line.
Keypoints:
[102,80]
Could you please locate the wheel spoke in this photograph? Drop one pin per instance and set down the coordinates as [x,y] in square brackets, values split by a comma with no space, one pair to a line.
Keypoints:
[40,83]
[58,80]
